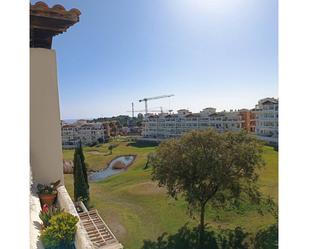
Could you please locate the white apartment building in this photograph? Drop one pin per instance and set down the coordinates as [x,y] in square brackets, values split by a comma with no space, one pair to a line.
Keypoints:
[267,120]
[161,126]
[87,133]
[261,121]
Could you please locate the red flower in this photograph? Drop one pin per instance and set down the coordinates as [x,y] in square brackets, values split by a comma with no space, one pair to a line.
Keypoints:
[45,208]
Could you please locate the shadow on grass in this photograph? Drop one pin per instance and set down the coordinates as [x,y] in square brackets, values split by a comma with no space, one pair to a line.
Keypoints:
[142,144]
[237,238]
[185,238]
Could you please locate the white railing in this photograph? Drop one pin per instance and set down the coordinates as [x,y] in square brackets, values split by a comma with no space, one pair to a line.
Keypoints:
[82,240]
[35,222]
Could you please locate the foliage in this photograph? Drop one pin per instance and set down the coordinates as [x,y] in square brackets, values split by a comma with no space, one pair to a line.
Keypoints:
[122,120]
[81,185]
[47,212]
[267,238]
[79,151]
[131,198]
[81,191]
[111,147]
[150,157]
[188,238]
[100,140]
[48,189]
[237,238]
[207,167]
[61,231]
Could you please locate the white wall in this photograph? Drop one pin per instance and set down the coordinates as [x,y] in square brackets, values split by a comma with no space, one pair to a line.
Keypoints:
[45,129]
[82,240]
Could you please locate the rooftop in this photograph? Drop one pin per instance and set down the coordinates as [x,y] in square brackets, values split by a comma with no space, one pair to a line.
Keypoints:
[46,22]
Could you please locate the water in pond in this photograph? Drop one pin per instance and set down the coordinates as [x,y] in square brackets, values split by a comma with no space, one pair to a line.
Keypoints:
[109,171]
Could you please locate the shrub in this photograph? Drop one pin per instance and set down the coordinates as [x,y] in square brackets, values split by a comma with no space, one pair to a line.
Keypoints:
[111,147]
[267,238]
[48,212]
[61,232]
[237,238]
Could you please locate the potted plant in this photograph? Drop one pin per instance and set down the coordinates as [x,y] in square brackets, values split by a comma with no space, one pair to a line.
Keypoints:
[48,212]
[48,193]
[60,232]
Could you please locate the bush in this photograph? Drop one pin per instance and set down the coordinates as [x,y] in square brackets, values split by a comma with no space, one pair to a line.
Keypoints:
[111,147]
[47,213]
[267,238]
[61,232]
[237,238]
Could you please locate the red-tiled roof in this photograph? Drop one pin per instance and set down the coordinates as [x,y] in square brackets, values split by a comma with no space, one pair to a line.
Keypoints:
[46,22]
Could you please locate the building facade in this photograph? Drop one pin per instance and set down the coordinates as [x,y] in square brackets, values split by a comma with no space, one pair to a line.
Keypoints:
[163,125]
[249,120]
[261,121]
[87,133]
[267,124]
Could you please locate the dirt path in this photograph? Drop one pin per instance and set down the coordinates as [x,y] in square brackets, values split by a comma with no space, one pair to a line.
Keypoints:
[93,152]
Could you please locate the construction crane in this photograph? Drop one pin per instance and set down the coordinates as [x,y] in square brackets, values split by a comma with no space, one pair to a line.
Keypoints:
[152,98]
[152,110]
[132,110]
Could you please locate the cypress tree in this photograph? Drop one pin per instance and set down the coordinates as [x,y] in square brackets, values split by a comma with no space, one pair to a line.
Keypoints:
[81,191]
[79,151]
[81,186]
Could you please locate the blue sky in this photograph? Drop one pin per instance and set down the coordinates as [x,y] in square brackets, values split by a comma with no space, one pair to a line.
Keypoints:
[219,53]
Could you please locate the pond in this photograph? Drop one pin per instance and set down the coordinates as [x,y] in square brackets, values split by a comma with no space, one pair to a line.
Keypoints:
[116,166]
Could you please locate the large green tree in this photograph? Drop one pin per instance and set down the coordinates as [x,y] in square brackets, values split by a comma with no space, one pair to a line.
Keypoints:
[209,168]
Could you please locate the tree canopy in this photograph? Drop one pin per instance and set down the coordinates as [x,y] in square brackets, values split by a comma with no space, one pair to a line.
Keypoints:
[207,167]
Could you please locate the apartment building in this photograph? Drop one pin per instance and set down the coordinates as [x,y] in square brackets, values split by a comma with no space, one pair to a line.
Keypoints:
[266,112]
[87,133]
[68,135]
[160,126]
[249,120]
[261,121]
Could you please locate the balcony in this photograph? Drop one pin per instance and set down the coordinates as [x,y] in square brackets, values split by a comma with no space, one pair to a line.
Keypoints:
[46,163]
[86,237]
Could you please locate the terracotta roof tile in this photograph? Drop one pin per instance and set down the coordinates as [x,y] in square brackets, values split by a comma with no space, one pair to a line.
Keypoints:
[46,22]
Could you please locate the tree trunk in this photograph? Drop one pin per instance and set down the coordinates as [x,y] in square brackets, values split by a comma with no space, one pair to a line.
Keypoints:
[202,226]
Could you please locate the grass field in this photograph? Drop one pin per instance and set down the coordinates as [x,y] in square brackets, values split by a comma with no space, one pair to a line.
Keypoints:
[136,209]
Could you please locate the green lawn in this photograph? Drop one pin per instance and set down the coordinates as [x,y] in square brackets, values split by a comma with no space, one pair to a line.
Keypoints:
[136,209]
